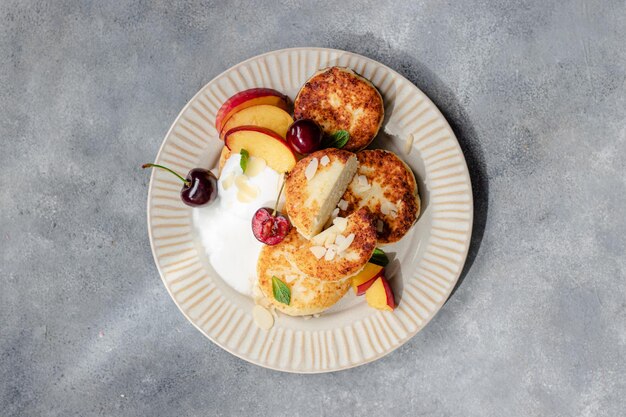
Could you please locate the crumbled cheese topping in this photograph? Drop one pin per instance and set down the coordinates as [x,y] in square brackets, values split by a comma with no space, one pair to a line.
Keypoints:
[324,160]
[343,204]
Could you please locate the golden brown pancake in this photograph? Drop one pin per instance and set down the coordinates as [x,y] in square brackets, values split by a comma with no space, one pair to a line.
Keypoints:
[339,262]
[308,295]
[387,186]
[339,99]
[310,201]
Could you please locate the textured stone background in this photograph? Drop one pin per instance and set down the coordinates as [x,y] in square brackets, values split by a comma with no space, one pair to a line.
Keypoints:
[536,92]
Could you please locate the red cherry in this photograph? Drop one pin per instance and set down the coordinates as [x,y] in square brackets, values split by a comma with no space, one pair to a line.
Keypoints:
[270,229]
[199,188]
[305,136]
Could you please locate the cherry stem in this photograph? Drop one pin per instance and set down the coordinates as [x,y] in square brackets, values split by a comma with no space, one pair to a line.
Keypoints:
[278,199]
[144,166]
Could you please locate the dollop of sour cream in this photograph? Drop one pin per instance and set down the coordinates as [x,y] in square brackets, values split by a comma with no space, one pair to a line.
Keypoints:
[225,226]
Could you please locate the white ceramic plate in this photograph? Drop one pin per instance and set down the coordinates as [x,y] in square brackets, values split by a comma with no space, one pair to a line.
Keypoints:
[427,261]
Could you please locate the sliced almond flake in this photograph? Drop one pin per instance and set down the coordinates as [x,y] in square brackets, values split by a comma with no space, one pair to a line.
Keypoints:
[325,160]
[362,184]
[408,143]
[246,192]
[262,317]
[228,181]
[341,223]
[330,254]
[311,169]
[330,239]
[386,208]
[345,243]
[241,180]
[380,226]
[245,197]
[343,204]
[255,166]
[318,251]
[272,309]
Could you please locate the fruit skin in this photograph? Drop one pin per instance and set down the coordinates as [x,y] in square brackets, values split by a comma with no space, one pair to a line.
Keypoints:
[368,273]
[262,143]
[269,229]
[271,117]
[362,288]
[249,98]
[200,189]
[380,296]
[305,136]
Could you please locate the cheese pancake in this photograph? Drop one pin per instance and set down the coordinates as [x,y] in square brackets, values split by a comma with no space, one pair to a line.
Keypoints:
[308,295]
[314,187]
[339,99]
[387,186]
[340,251]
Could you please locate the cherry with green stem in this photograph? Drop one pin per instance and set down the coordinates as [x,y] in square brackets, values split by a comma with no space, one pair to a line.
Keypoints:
[199,187]
[269,226]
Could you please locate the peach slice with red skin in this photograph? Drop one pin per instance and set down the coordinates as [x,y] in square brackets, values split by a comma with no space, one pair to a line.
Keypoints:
[262,143]
[367,275]
[362,289]
[380,296]
[264,115]
[249,98]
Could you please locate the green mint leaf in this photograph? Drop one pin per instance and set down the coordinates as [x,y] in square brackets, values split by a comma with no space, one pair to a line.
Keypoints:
[338,139]
[379,258]
[281,291]
[243,162]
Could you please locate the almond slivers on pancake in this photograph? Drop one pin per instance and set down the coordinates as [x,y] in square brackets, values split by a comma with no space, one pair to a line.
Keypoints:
[387,187]
[308,295]
[340,251]
[315,186]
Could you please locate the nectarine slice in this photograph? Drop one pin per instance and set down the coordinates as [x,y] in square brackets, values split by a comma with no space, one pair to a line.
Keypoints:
[262,143]
[249,98]
[362,289]
[369,272]
[380,296]
[264,115]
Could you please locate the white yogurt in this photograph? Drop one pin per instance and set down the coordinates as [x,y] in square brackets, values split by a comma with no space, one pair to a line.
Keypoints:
[225,226]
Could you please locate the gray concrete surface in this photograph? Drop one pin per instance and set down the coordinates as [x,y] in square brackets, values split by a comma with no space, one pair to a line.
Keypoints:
[535,90]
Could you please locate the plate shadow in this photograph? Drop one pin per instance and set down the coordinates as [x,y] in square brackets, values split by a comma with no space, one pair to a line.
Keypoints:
[447,100]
